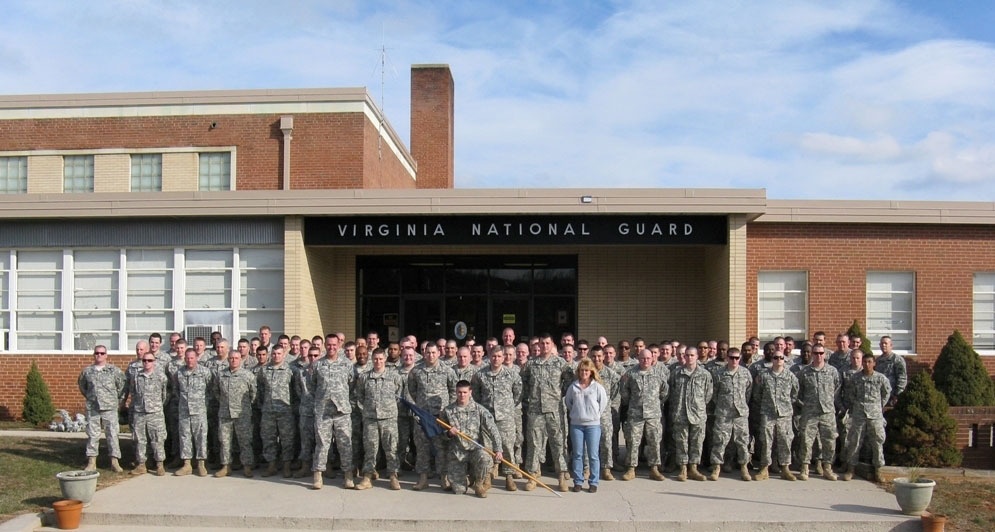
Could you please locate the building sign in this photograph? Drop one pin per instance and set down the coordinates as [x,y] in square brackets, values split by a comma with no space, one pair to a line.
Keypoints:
[514,230]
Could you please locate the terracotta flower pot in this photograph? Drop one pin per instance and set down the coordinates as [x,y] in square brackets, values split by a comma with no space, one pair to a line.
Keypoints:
[68,513]
[933,522]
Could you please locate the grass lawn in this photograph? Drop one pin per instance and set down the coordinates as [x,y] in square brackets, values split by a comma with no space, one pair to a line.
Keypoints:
[968,504]
[28,467]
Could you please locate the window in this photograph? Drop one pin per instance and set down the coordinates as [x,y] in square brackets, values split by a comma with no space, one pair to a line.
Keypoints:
[149,303]
[146,172]
[96,316]
[39,300]
[891,303]
[13,175]
[984,311]
[77,173]
[4,298]
[782,307]
[215,171]
[260,289]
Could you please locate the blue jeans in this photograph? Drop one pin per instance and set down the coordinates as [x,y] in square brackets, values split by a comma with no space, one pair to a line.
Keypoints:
[585,437]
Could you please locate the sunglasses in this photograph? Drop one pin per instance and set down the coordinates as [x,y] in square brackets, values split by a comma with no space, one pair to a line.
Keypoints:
[625,347]
[100,352]
[148,360]
[777,358]
[733,358]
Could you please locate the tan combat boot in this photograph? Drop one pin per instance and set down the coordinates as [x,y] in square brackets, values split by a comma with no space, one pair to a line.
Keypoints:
[366,483]
[818,468]
[116,466]
[629,474]
[139,470]
[201,469]
[221,473]
[480,489]
[531,484]
[509,483]
[184,470]
[714,475]
[786,473]
[763,474]
[606,474]
[744,473]
[683,475]
[693,473]
[655,473]
[827,471]
[303,472]
[317,481]
[348,483]
[563,483]
[446,485]
[287,473]
[270,469]
[803,473]
[160,469]
[394,484]
[91,463]
[422,482]
[247,471]
[847,473]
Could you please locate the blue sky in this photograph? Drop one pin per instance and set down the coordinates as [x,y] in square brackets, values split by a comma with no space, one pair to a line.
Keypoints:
[822,100]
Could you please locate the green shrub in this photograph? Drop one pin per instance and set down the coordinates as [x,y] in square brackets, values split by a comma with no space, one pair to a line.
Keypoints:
[920,431]
[961,376]
[37,407]
[865,344]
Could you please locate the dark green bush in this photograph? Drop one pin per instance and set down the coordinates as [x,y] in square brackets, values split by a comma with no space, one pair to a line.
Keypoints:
[37,406]
[865,344]
[920,431]
[961,376]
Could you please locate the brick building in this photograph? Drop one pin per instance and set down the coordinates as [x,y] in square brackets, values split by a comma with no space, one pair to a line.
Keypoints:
[124,214]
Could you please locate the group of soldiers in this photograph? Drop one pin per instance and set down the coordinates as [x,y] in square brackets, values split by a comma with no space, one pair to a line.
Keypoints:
[299,405]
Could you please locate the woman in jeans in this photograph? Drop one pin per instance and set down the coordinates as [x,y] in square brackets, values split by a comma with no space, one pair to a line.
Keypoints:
[586,400]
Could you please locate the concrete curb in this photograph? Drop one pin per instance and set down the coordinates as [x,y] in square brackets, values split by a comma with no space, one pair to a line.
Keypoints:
[22,523]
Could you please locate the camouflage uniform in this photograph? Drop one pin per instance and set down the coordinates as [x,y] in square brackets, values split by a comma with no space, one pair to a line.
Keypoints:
[691,391]
[236,393]
[732,413]
[305,412]
[475,422]
[840,359]
[191,389]
[376,397]
[894,368]
[865,397]
[173,408]
[819,393]
[405,421]
[431,388]
[610,380]
[544,415]
[776,394]
[465,374]
[214,364]
[277,424]
[103,387]
[644,392]
[332,382]
[148,424]
[500,392]
[356,417]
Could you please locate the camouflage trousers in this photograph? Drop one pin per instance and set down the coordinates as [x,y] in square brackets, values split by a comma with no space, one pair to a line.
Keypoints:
[860,429]
[457,460]
[146,429]
[518,455]
[635,432]
[305,428]
[172,429]
[776,431]
[427,450]
[823,427]
[213,445]
[357,431]
[380,434]
[543,428]
[105,421]
[241,428]
[193,436]
[688,442]
[326,428]
[405,438]
[734,430]
[279,435]
[506,427]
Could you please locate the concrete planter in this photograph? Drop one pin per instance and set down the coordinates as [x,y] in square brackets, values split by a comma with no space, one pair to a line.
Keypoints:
[913,497]
[78,485]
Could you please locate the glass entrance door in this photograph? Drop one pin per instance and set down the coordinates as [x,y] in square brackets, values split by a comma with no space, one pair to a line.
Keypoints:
[423,318]
[514,312]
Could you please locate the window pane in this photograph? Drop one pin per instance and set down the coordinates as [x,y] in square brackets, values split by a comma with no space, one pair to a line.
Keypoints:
[13,175]
[782,303]
[150,259]
[78,173]
[891,308]
[146,172]
[215,171]
[208,258]
[984,311]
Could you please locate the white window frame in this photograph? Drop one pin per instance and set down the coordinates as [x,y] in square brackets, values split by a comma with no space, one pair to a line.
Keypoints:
[146,167]
[5,318]
[983,295]
[73,164]
[18,166]
[201,176]
[791,277]
[79,312]
[898,335]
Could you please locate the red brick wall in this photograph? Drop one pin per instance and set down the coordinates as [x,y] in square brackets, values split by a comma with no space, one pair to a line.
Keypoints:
[982,454]
[838,256]
[60,372]
[381,169]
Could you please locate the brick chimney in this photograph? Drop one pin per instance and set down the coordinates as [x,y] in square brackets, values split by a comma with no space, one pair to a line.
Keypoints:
[432,124]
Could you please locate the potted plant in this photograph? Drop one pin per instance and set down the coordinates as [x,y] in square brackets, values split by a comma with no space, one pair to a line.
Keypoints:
[78,485]
[913,492]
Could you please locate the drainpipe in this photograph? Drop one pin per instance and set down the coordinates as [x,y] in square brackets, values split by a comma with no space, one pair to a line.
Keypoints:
[287,126]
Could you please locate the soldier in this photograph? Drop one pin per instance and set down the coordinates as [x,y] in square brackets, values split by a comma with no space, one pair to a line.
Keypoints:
[644,391]
[775,390]
[332,380]
[376,396]
[103,386]
[235,389]
[819,387]
[262,359]
[161,355]
[840,358]
[476,357]
[148,390]
[691,390]
[276,427]
[172,406]
[432,385]
[892,366]
[855,365]
[405,419]
[541,378]
[476,423]
[214,364]
[733,386]
[499,389]
[450,353]
[191,383]
[135,367]
[463,368]
[249,360]
[303,367]
[865,395]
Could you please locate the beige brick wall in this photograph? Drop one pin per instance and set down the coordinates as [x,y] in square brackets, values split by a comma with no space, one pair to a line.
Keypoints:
[45,174]
[301,304]
[112,173]
[737,279]
[180,172]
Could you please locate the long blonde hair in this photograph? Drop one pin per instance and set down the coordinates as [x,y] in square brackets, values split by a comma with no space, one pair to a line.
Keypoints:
[587,363]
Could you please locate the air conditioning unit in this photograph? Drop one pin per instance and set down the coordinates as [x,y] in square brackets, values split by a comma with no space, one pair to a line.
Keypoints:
[201,331]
